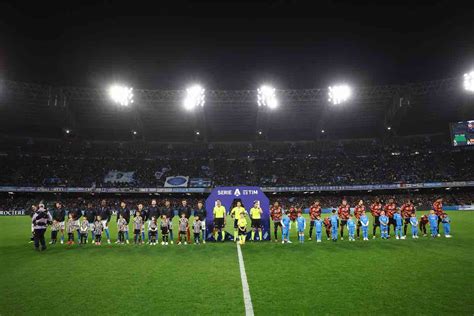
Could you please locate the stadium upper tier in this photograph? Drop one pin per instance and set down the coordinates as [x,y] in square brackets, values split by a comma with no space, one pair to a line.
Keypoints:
[72,163]
[157,115]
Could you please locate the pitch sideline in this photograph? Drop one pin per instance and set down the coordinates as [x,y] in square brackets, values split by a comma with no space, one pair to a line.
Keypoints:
[245,285]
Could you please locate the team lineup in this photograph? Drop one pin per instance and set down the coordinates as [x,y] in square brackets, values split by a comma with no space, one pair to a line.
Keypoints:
[147,222]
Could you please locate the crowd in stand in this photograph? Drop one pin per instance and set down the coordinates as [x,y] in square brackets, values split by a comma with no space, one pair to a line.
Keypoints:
[85,164]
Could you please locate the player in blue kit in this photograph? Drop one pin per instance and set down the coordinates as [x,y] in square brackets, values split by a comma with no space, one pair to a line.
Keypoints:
[285,232]
[397,217]
[364,220]
[433,219]
[446,225]
[301,224]
[334,225]
[318,224]
[414,226]
[351,226]
[383,225]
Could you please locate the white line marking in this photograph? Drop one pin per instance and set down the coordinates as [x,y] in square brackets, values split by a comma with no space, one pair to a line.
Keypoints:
[245,285]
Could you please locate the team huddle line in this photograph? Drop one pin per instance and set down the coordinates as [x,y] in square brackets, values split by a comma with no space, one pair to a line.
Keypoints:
[95,222]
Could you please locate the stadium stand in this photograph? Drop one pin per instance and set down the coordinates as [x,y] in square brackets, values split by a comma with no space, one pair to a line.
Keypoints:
[30,162]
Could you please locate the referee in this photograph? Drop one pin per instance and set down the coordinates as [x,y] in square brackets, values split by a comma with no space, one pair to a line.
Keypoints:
[219,220]
[256,216]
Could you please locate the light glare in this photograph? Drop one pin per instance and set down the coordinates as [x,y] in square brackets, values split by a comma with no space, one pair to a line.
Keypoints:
[121,95]
[469,81]
[266,97]
[195,96]
[340,93]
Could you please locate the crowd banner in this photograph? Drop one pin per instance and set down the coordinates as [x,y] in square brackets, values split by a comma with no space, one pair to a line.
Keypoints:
[13,213]
[116,176]
[200,183]
[458,207]
[228,196]
[176,182]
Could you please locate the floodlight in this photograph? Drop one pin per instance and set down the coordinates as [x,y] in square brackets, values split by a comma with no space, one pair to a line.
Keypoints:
[266,97]
[67,131]
[323,131]
[197,133]
[121,95]
[195,96]
[389,128]
[340,93]
[134,132]
[469,81]
[259,132]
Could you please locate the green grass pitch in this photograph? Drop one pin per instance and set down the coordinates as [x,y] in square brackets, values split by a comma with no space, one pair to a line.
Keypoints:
[393,277]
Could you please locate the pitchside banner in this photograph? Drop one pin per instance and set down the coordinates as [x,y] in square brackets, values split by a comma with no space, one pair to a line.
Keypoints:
[229,195]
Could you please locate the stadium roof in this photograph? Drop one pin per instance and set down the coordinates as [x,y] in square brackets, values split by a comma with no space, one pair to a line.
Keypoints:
[158,115]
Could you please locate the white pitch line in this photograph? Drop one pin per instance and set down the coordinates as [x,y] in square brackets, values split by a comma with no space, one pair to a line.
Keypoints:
[245,285]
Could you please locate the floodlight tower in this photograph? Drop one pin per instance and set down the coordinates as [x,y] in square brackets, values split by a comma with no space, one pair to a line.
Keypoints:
[267,102]
[193,102]
[195,97]
[266,97]
[121,95]
[468,81]
[338,94]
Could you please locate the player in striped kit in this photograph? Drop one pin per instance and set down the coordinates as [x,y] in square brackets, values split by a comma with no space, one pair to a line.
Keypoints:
[375,210]
[407,209]
[390,209]
[358,210]
[314,212]
[438,210]
[343,212]
[276,214]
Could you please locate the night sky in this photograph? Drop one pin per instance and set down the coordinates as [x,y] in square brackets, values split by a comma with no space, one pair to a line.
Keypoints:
[232,45]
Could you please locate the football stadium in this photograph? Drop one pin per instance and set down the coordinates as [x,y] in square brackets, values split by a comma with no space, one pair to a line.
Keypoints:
[234,158]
